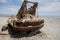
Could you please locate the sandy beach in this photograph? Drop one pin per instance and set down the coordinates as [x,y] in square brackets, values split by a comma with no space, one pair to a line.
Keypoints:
[50,31]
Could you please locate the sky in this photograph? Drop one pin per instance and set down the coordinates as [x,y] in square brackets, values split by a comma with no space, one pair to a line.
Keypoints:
[45,7]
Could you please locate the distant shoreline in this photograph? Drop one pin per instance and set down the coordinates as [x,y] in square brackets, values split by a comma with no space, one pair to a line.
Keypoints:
[53,17]
[7,16]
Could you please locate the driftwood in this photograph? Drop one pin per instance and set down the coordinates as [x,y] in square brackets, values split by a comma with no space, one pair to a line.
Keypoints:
[25,21]
[5,27]
[28,22]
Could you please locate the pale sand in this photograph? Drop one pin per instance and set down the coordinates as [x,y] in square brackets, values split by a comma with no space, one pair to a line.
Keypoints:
[50,31]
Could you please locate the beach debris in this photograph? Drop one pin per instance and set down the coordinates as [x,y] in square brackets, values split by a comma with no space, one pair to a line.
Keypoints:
[25,22]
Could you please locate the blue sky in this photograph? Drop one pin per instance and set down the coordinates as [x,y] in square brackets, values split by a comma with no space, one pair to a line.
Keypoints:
[45,7]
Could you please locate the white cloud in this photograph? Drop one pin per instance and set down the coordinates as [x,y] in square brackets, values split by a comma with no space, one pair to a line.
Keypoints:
[50,7]
[3,1]
[32,0]
[12,10]
[28,0]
